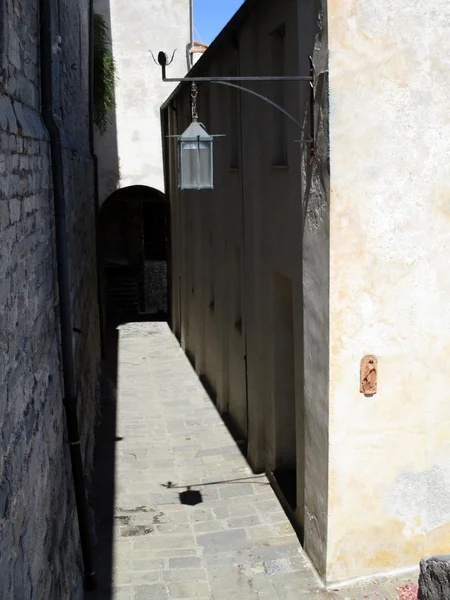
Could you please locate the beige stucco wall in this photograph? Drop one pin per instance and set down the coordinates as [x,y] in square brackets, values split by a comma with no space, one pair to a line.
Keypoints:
[129,153]
[389,482]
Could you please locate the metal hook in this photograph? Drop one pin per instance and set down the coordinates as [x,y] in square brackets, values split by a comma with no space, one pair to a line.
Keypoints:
[163,59]
[173,56]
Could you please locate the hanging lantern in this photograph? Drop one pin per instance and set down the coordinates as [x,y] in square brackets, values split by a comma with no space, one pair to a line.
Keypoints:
[195,153]
[195,158]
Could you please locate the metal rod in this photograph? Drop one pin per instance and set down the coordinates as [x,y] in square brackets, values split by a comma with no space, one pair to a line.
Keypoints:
[219,79]
[271,102]
[162,60]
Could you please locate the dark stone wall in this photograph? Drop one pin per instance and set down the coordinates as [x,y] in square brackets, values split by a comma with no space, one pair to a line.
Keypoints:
[39,541]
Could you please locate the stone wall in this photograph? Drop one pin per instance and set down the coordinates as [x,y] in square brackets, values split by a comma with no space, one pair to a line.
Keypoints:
[155,282]
[39,550]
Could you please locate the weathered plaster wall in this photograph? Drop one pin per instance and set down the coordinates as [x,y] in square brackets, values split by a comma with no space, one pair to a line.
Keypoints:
[39,541]
[130,151]
[390,286]
[314,419]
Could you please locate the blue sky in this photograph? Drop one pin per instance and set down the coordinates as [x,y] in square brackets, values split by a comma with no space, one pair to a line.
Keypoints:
[211,16]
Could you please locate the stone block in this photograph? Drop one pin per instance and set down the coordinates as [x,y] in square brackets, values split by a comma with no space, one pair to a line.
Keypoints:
[153,592]
[14,210]
[145,564]
[185,562]
[7,118]
[209,526]
[248,521]
[235,490]
[165,542]
[13,163]
[4,214]
[180,575]
[25,163]
[14,47]
[190,589]
[222,540]
[30,121]
[434,578]
[126,593]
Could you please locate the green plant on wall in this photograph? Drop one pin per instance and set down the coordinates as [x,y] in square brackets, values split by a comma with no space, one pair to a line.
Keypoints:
[104,75]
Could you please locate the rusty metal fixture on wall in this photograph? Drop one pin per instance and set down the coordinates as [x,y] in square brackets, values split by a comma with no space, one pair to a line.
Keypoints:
[368,375]
[195,145]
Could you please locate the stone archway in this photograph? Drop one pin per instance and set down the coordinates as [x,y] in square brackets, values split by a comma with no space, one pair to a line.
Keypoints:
[133,253]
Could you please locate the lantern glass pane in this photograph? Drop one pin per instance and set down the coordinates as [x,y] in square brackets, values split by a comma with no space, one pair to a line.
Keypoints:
[196,164]
[188,167]
[205,160]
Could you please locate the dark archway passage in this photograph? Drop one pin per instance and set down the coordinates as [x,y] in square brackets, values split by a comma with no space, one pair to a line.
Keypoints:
[133,254]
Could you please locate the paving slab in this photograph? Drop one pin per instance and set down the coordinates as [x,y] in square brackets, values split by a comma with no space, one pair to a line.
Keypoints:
[161,444]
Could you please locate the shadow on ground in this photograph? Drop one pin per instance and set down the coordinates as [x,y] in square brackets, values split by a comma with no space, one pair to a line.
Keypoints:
[103,487]
[102,492]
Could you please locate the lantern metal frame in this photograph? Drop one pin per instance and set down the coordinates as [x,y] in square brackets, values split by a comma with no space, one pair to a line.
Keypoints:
[163,61]
[183,138]
[200,138]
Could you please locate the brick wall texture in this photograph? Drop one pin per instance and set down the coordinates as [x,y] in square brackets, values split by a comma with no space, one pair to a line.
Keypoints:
[39,542]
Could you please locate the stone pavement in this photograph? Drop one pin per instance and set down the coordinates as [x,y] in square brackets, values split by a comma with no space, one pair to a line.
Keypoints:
[169,446]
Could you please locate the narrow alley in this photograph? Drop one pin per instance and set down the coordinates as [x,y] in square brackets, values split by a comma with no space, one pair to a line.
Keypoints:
[224,300]
[179,513]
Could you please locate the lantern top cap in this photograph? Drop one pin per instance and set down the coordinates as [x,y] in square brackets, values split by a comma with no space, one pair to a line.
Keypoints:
[194,131]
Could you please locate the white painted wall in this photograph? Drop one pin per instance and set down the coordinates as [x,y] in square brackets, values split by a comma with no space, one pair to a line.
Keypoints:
[130,153]
[389,481]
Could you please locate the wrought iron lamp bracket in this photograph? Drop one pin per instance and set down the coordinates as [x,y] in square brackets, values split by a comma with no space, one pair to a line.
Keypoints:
[163,61]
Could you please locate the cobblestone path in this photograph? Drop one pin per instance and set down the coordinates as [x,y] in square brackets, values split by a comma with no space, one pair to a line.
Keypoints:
[236,542]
